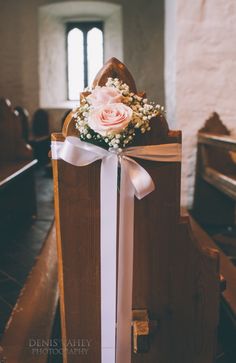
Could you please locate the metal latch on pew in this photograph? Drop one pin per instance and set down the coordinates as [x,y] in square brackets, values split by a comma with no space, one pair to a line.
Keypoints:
[143,327]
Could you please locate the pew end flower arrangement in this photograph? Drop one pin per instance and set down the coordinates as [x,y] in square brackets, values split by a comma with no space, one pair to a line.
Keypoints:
[112,117]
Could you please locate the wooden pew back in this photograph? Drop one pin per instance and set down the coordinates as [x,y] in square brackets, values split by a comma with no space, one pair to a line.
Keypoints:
[17,189]
[40,140]
[12,146]
[175,277]
[24,119]
[218,157]
[215,184]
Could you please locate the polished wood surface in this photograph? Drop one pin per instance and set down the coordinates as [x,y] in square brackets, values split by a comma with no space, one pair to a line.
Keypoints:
[14,169]
[215,184]
[175,278]
[115,69]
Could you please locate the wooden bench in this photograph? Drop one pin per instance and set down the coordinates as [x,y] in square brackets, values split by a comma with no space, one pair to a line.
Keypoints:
[215,184]
[214,208]
[40,138]
[176,276]
[17,189]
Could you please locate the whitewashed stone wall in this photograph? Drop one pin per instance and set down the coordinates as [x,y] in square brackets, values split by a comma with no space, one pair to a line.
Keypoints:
[52,51]
[19,52]
[204,72]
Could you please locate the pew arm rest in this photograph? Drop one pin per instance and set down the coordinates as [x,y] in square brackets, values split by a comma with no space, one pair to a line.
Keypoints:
[222,141]
[223,182]
[9,171]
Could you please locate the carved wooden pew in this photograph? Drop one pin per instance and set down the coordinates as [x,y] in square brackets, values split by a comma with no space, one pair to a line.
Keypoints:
[175,275]
[34,311]
[17,191]
[40,139]
[215,185]
[214,208]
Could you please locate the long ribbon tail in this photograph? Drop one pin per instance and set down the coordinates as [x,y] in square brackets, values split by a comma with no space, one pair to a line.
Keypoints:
[108,252]
[125,268]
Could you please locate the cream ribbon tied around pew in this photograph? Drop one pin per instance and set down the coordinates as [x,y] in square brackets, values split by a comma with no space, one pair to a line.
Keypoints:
[135,181]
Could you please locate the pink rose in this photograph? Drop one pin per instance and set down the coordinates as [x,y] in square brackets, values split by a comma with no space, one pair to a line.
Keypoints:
[104,95]
[113,117]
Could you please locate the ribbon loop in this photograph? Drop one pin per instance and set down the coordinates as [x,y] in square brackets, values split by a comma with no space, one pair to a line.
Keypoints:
[139,177]
[79,153]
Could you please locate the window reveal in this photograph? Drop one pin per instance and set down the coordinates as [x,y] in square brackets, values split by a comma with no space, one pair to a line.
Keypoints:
[84,55]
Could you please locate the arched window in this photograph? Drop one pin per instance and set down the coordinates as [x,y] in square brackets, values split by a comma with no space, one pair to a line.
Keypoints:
[84,55]
[55,22]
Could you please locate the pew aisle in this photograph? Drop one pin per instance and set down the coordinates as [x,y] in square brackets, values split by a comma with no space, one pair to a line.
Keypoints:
[21,245]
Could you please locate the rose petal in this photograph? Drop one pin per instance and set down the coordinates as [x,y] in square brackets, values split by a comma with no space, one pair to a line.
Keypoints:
[110,118]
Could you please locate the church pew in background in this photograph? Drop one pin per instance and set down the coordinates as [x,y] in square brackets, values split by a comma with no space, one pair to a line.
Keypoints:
[214,208]
[215,183]
[24,121]
[45,121]
[17,188]
[227,323]
[176,274]
[40,136]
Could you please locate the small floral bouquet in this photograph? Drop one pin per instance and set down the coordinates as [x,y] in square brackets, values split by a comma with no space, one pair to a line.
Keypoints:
[112,117]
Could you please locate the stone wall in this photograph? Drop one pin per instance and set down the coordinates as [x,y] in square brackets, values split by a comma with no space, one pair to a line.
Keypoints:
[200,61]
[52,50]
[19,55]
[203,71]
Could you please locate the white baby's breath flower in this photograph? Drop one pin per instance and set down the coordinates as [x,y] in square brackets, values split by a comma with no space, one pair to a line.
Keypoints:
[142,112]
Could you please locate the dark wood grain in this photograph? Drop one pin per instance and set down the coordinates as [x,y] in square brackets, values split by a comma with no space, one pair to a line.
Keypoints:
[174,277]
[115,69]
